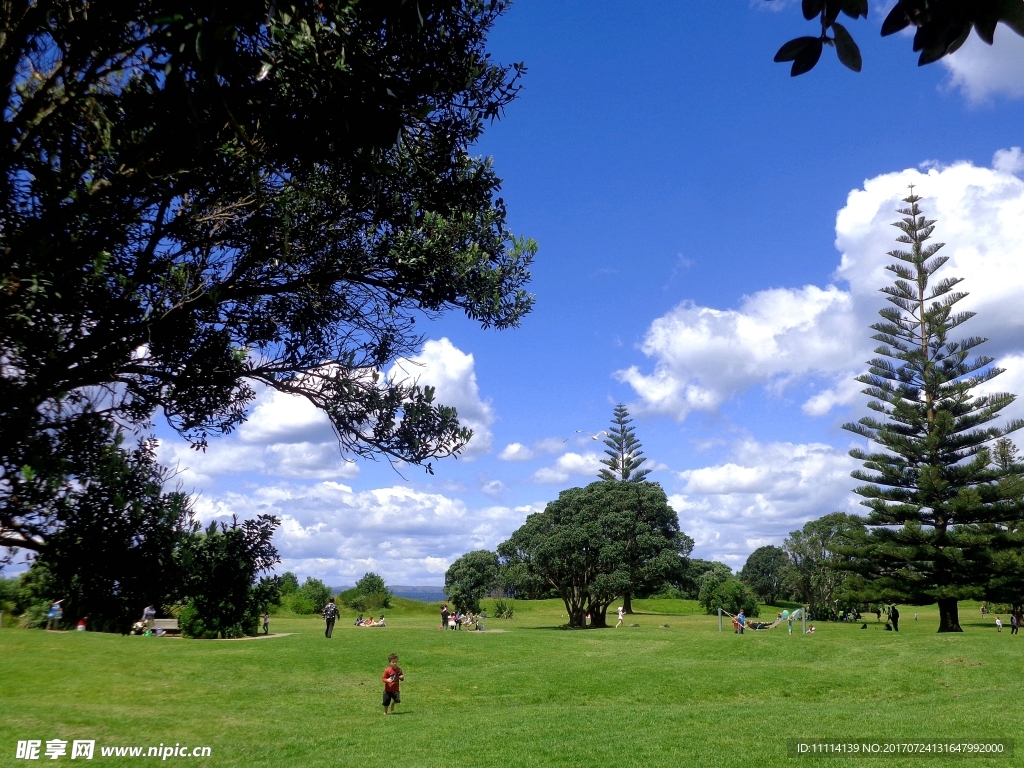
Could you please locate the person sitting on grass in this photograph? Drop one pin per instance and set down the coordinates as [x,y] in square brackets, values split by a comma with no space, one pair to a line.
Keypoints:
[380,622]
[359,621]
[392,678]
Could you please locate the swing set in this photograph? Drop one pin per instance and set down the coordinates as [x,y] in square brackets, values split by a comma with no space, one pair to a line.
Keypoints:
[800,614]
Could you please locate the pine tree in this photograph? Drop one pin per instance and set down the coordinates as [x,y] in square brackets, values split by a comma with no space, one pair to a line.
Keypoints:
[623,462]
[938,508]
[624,454]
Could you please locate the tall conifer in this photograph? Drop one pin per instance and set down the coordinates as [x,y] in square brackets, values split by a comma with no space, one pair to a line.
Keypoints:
[938,508]
[624,454]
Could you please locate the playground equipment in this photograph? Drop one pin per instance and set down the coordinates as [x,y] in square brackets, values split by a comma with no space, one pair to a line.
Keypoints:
[784,618]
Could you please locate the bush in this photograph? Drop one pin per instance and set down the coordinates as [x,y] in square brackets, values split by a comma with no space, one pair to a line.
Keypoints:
[369,594]
[730,594]
[504,609]
[315,593]
[34,616]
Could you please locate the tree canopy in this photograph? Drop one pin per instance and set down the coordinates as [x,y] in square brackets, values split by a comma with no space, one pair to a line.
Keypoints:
[591,544]
[470,578]
[201,199]
[765,572]
[942,26]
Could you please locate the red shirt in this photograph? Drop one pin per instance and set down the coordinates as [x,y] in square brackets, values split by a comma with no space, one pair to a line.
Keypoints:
[390,672]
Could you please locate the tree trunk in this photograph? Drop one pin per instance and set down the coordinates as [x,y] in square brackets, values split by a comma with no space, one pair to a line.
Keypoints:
[627,603]
[949,615]
[598,616]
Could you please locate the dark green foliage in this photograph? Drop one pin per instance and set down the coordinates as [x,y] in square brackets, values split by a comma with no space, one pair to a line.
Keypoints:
[726,592]
[942,27]
[815,575]
[313,593]
[200,199]
[470,578]
[504,609]
[369,594]
[765,571]
[111,550]
[940,508]
[624,450]
[289,583]
[590,543]
[688,583]
[220,567]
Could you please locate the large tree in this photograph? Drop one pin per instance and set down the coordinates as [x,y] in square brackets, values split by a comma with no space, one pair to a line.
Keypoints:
[815,574]
[765,572]
[936,499]
[592,544]
[201,199]
[942,26]
[470,578]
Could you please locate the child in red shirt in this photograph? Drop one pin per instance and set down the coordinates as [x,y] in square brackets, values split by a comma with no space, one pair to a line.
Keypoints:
[392,677]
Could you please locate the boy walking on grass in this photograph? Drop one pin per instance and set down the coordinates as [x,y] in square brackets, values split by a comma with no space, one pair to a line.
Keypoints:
[392,677]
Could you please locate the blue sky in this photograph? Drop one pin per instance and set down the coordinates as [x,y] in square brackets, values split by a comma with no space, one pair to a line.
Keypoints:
[711,234]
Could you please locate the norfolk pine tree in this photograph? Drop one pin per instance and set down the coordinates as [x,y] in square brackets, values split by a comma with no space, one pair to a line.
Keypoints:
[624,454]
[937,504]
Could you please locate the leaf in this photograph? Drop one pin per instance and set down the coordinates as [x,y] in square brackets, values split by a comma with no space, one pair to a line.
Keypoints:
[807,58]
[855,8]
[812,8]
[986,28]
[846,48]
[928,55]
[1012,15]
[952,47]
[895,21]
[791,50]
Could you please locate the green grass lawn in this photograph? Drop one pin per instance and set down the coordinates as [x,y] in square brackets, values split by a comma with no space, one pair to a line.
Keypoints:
[532,694]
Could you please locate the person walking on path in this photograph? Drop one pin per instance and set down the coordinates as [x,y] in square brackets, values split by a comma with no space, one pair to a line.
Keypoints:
[330,615]
[741,619]
[392,678]
[620,618]
[894,617]
[266,623]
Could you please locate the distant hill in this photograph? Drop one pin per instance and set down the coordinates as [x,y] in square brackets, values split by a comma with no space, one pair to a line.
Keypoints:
[426,594]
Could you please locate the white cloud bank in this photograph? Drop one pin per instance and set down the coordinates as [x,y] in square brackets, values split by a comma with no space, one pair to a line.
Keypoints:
[334,533]
[569,465]
[704,356]
[286,436]
[761,494]
[981,71]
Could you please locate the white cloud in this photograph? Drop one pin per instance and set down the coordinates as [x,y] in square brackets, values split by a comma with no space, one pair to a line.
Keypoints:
[515,452]
[567,465]
[704,356]
[451,372]
[494,488]
[981,71]
[760,495]
[332,532]
[550,445]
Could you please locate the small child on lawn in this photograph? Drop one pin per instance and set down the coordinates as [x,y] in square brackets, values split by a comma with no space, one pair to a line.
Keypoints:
[392,677]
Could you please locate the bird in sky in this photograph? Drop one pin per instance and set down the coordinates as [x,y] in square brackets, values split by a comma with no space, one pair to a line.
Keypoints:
[592,435]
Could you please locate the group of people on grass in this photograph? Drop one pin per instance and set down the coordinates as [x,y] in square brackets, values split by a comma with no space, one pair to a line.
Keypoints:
[457,620]
[369,622]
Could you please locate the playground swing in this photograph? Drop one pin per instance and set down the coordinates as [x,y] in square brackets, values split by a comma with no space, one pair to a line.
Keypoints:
[756,626]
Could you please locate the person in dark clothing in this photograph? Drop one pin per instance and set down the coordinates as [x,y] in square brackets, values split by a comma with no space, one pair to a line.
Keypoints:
[444,617]
[894,617]
[330,614]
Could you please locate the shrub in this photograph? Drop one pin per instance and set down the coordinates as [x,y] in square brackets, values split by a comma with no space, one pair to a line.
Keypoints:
[315,593]
[504,609]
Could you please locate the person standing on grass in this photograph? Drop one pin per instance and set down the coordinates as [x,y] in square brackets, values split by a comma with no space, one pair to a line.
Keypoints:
[999,624]
[620,618]
[392,678]
[330,615]
[894,617]
[1014,623]
[266,623]
[444,616]
[741,620]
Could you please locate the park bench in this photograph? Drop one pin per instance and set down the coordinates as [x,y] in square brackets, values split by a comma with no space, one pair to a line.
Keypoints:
[169,626]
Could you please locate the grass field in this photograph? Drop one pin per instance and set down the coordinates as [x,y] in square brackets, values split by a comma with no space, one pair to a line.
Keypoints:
[532,694]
